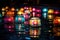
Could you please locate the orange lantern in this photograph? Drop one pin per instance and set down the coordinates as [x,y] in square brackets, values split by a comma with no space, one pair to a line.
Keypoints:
[56,20]
[56,31]
[10,13]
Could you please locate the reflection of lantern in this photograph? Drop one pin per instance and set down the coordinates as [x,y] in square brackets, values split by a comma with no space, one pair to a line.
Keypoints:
[56,31]
[34,32]
[50,16]
[19,19]
[9,27]
[56,20]
[35,21]
[19,27]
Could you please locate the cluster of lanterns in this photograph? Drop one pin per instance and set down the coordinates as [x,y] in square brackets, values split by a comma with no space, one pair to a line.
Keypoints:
[28,16]
[18,19]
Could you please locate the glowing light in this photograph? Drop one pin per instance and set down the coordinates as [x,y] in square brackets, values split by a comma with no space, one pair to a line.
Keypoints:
[27,11]
[19,27]
[56,20]
[25,7]
[44,15]
[56,12]
[28,38]
[8,19]
[34,33]
[3,9]
[9,29]
[26,22]
[33,13]
[6,7]
[45,10]
[33,9]
[9,26]
[50,11]
[26,16]
[35,21]
[10,13]
[19,19]
[12,9]
[56,30]
[38,10]
[17,9]
[30,9]
[22,9]
[20,13]
[50,16]
[38,15]
[3,13]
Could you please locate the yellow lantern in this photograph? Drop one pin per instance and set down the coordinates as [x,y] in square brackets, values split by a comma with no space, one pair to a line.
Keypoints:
[50,16]
[19,13]
[35,21]
[50,11]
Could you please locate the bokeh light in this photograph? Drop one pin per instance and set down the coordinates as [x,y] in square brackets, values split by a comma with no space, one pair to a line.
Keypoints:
[35,21]
[50,11]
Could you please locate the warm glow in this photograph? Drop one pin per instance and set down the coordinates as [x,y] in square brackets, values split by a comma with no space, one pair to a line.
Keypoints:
[34,33]
[10,13]
[56,20]
[33,13]
[50,11]
[59,20]
[35,22]
[3,9]
[19,13]
[50,16]
[22,9]
[30,9]
[12,9]
[6,7]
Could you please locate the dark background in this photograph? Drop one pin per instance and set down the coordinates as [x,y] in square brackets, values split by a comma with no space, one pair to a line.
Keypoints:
[16,3]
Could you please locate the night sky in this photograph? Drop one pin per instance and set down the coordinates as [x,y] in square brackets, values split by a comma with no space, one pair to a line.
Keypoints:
[33,3]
